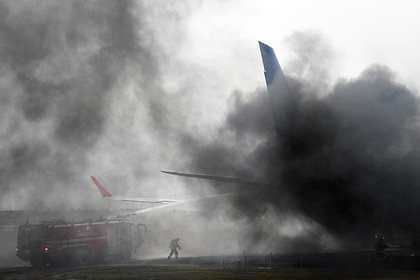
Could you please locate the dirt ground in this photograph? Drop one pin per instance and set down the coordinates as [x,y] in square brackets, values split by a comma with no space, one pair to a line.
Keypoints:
[203,272]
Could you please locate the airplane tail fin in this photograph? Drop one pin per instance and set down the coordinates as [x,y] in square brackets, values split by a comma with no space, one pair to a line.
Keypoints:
[279,94]
[104,192]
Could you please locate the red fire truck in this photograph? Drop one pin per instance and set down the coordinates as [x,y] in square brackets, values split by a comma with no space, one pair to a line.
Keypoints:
[56,243]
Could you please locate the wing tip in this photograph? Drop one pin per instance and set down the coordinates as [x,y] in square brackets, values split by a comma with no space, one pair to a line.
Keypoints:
[104,192]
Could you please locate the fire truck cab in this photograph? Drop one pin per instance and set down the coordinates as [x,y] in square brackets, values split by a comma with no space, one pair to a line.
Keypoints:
[56,243]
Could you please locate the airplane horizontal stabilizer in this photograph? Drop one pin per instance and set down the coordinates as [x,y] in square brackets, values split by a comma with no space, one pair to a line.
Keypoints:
[215,178]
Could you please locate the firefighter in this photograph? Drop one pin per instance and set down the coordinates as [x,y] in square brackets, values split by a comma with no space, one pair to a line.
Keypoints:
[380,246]
[174,246]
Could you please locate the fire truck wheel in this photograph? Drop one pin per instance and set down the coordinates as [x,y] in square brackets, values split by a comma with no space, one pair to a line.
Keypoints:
[125,253]
[99,260]
[82,257]
[38,263]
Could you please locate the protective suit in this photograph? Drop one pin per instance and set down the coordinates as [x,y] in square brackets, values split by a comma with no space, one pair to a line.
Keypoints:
[174,246]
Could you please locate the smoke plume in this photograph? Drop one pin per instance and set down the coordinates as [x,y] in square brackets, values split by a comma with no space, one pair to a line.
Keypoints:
[100,88]
[76,77]
[347,162]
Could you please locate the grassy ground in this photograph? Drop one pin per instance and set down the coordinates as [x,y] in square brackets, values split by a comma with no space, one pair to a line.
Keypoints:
[196,272]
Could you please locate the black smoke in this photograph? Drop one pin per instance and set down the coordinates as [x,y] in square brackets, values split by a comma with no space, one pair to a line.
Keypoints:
[81,94]
[65,68]
[348,160]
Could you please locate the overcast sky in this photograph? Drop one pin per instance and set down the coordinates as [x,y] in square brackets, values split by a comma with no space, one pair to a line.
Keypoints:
[221,38]
[361,32]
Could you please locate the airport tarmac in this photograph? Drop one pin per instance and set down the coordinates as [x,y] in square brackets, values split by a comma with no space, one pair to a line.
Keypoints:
[226,267]
[203,272]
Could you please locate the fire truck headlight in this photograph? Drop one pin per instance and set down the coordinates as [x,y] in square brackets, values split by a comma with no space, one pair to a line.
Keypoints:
[46,249]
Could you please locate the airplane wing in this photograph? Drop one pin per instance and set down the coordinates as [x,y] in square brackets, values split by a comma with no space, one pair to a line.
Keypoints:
[183,202]
[106,194]
[159,204]
[158,207]
[216,178]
